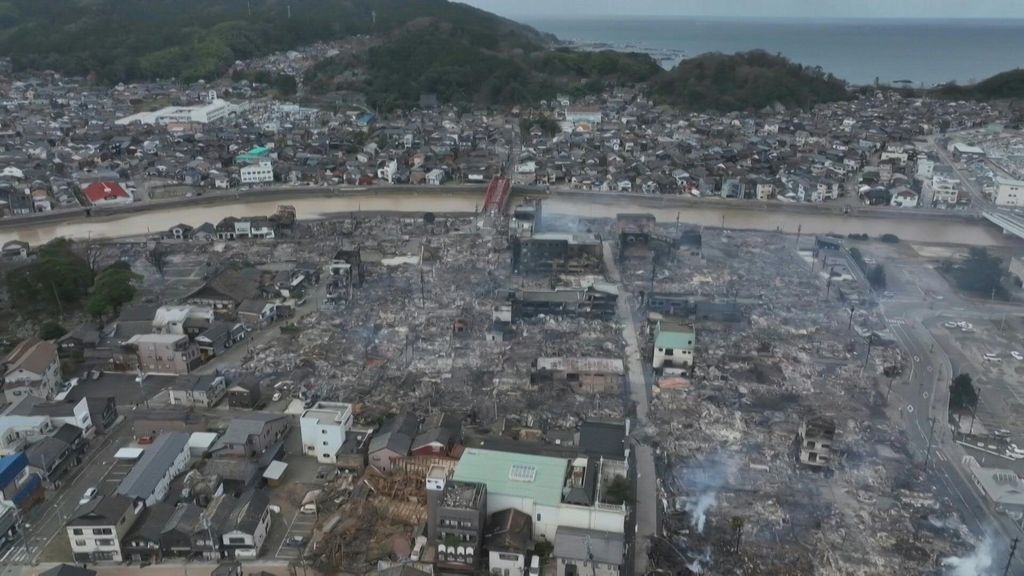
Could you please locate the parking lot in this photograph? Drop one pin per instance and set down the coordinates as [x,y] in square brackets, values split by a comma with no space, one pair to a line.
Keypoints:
[299,526]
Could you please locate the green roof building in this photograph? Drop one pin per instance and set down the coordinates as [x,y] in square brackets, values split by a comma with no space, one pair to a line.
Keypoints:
[673,346]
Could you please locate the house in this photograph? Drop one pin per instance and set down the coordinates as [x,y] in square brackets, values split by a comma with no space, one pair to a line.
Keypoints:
[673,347]
[392,441]
[251,435]
[435,177]
[98,526]
[176,536]
[581,375]
[245,531]
[1002,486]
[553,490]
[106,194]
[150,477]
[218,338]
[32,368]
[188,320]
[508,540]
[205,391]
[225,291]
[144,542]
[579,551]
[323,430]
[438,436]
[74,413]
[18,484]
[256,313]
[80,342]
[903,197]
[166,354]
[258,173]
[456,516]
[68,570]
[15,249]
[246,393]
[16,432]
[50,459]
[180,232]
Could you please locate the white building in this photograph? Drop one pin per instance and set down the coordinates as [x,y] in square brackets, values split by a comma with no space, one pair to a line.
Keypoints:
[202,114]
[925,168]
[945,189]
[1009,192]
[435,177]
[581,116]
[553,491]
[258,173]
[179,319]
[96,531]
[323,430]
[32,368]
[151,476]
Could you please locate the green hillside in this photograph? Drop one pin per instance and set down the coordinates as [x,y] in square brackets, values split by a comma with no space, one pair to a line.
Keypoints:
[747,80]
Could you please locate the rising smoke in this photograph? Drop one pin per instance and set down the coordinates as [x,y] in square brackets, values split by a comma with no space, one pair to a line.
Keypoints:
[979,563]
[705,478]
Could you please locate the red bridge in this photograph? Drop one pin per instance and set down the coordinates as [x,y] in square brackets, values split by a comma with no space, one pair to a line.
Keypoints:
[497,193]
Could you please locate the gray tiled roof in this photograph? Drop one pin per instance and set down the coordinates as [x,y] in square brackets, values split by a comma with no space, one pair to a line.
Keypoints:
[155,461]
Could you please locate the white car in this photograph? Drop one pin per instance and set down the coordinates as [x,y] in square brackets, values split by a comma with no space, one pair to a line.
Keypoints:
[90,493]
[990,357]
[951,325]
[1017,355]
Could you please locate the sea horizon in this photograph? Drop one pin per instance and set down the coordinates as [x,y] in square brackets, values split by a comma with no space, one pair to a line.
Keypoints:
[925,51]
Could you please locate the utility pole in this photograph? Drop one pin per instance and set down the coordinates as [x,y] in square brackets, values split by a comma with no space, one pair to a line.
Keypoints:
[931,431]
[974,411]
[1009,561]
[850,325]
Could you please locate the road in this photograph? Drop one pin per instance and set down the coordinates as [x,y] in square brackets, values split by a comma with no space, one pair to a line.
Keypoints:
[639,385]
[924,398]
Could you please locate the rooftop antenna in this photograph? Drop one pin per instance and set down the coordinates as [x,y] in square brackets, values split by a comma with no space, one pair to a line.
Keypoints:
[373,16]
[289,11]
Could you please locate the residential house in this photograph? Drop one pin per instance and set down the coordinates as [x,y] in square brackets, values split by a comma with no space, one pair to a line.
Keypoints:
[186,319]
[167,354]
[323,428]
[177,534]
[508,540]
[218,338]
[81,342]
[205,391]
[673,347]
[438,436]
[256,313]
[18,484]
[579,552]
[392,441]
[245,393]
[98,526]
[32,368]
[16,432]
[245,531]
[151,476]
[816,437]
[50,459]
[1009,192]
[144,542]
[228,289]
[251,435]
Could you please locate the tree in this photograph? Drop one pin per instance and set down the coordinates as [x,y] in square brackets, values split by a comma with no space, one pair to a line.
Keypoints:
[113,288]
[51,331]
[962,394]
[56,281]
[889,238]
[981,272]
[876,277]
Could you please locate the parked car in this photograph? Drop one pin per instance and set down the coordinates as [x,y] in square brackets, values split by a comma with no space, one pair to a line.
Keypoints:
[1017,355]
[89,494]
[295,541]
[991,357]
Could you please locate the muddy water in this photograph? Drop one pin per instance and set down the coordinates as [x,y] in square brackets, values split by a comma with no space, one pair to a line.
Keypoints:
[158,220]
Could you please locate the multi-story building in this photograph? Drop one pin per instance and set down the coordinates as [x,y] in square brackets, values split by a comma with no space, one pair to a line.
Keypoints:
[32,368]
[456,516]
[1009,192]
[945,188]
[553,491]
[581,552]
[170,354]
[258,173]
[98,526]
[323,430]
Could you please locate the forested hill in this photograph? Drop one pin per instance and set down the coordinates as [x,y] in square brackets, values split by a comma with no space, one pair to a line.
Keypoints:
[124,40]
[747,80]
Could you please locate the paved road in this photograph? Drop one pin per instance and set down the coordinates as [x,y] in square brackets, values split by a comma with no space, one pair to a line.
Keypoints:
[637,380]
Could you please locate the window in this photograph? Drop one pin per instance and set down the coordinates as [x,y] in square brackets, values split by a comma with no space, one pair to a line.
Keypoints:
[79,542]
[538,516]
[102,531]
[236,540]
[522,473]
[105,542]
[77,531]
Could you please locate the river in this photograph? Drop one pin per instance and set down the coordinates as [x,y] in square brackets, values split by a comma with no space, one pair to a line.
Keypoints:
[946,231]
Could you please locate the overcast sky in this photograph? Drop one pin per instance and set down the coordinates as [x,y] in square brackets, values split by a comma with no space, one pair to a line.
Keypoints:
[759,8]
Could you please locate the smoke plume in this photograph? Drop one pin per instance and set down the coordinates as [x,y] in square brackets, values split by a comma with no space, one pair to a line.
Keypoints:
[979,563]
[705,478]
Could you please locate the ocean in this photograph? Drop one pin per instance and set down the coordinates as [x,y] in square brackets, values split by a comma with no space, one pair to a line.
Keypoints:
[924,52]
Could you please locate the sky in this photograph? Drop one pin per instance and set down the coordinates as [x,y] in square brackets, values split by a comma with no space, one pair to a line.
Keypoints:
[758,8]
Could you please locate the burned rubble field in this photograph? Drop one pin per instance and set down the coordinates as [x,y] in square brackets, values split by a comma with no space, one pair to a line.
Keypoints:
[738,499]
[412,336]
